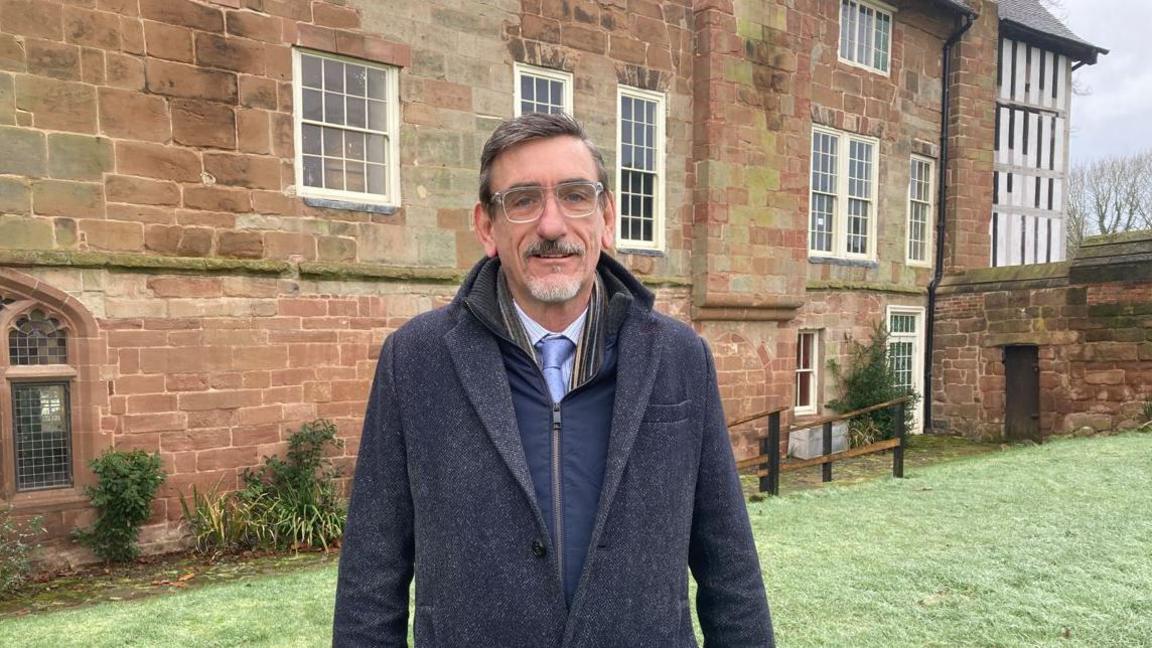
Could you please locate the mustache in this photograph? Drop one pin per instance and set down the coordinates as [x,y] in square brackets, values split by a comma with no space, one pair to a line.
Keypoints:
[546,247]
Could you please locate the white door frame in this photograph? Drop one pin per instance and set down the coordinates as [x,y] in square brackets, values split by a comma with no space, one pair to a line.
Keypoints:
[917,339]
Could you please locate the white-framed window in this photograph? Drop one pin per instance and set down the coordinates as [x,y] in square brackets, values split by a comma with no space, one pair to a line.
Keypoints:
[640,172]
[866,34]
[542,90]
[842,200]
[807,372]
[920,200]
[347,128]
[906,351]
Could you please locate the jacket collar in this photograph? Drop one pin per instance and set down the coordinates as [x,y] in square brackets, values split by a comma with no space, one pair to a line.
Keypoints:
[478,293]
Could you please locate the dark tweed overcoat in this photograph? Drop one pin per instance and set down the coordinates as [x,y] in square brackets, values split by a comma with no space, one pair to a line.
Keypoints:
[443,493]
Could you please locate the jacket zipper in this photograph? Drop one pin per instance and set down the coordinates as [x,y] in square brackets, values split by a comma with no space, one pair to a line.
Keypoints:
[557,510]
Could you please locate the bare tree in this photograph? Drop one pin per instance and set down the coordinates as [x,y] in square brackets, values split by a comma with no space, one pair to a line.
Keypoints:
[1109,195]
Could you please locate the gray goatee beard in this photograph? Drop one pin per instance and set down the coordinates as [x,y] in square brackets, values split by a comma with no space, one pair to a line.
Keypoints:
[558,289]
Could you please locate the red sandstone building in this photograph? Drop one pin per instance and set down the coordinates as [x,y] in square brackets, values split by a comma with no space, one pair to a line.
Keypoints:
[212,212]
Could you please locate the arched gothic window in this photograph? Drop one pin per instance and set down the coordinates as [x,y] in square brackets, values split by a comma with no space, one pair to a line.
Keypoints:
[36,398]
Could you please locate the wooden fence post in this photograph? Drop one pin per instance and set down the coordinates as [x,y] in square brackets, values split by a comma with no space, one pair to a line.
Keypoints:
[770,446]
[826,449]
[901,433]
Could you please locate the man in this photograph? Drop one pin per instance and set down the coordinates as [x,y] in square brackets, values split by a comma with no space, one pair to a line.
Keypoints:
[547,454]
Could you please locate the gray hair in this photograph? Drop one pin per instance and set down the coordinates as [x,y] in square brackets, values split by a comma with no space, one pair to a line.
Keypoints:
[528,128]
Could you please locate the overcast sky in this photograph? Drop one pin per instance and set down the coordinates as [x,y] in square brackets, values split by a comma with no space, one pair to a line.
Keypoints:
[1115,118]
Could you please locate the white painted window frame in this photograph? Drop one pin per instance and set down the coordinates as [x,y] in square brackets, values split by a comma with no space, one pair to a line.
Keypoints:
[917,340]
[929,240]
[812,374]
[658,219]
[878,8]
[523,69]
[392,135]
[840,213]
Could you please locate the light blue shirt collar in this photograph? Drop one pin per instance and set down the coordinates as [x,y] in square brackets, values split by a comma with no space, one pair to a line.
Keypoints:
[536,332]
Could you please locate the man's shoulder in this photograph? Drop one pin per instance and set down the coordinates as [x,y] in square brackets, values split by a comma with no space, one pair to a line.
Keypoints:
[428,326]
[674,335]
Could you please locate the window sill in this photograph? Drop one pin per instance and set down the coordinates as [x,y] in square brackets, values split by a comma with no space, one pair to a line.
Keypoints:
[55,499]
[867,68]
[640,251]
[853,263]
[349,205]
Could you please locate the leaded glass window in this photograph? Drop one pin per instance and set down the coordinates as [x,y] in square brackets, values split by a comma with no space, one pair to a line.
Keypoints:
[37,339]
[43,437]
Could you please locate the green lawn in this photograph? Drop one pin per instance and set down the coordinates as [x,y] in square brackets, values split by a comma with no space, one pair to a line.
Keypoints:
[1034,546]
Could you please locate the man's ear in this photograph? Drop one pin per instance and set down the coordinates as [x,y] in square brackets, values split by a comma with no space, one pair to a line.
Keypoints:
[482,222]
[608,237]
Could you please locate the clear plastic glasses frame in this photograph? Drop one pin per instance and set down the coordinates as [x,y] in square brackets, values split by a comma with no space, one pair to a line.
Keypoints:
[577,199]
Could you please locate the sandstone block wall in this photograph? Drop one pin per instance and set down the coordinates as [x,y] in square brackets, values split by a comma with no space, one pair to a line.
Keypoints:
[148,174]
[1090,320]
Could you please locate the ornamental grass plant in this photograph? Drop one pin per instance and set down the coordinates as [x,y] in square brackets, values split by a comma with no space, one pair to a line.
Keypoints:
[289,503]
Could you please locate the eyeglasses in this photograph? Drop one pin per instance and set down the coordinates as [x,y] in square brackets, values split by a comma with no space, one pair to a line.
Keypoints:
[525,204]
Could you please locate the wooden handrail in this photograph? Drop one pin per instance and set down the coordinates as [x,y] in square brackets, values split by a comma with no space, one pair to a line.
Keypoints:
[847,415]
[753,417]
[770,446]
[873,448]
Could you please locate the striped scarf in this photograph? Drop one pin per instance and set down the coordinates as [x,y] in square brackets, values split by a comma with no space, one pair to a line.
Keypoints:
[589,351]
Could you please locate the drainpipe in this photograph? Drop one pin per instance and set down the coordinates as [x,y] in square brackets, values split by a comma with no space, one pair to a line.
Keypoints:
[942,195]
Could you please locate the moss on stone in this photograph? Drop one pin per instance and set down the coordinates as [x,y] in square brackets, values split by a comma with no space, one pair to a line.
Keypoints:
[664,281]
[866,285]
[82,259]
[1008,277]
[321,270]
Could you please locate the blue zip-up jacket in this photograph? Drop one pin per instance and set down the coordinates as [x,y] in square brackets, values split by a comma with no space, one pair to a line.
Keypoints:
[565,444]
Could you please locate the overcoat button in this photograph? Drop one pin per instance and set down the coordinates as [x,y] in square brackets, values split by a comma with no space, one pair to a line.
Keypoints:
[538,549]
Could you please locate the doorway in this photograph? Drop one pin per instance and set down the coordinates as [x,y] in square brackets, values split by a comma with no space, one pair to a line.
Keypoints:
[1022,393]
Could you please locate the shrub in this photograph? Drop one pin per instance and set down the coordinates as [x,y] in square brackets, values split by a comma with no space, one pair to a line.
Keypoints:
[867,379]
[128,482]
[17,542]
[220,522]
[294,500]
[286,503]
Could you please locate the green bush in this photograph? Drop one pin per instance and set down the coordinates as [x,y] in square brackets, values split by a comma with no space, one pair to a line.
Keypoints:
[867,379]
[128,482]
[220,522]
[17,542]
[294,502]
[288,503]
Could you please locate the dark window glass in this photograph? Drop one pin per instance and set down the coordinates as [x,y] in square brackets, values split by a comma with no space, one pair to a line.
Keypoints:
[42,435]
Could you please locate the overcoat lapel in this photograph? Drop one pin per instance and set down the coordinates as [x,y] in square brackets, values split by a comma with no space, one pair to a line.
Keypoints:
[480,367]
[635,374]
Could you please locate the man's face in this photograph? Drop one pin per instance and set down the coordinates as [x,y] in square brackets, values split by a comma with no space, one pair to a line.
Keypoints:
[551,260]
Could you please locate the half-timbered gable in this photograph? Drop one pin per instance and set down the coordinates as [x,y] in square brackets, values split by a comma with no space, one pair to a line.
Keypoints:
[1037,55]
